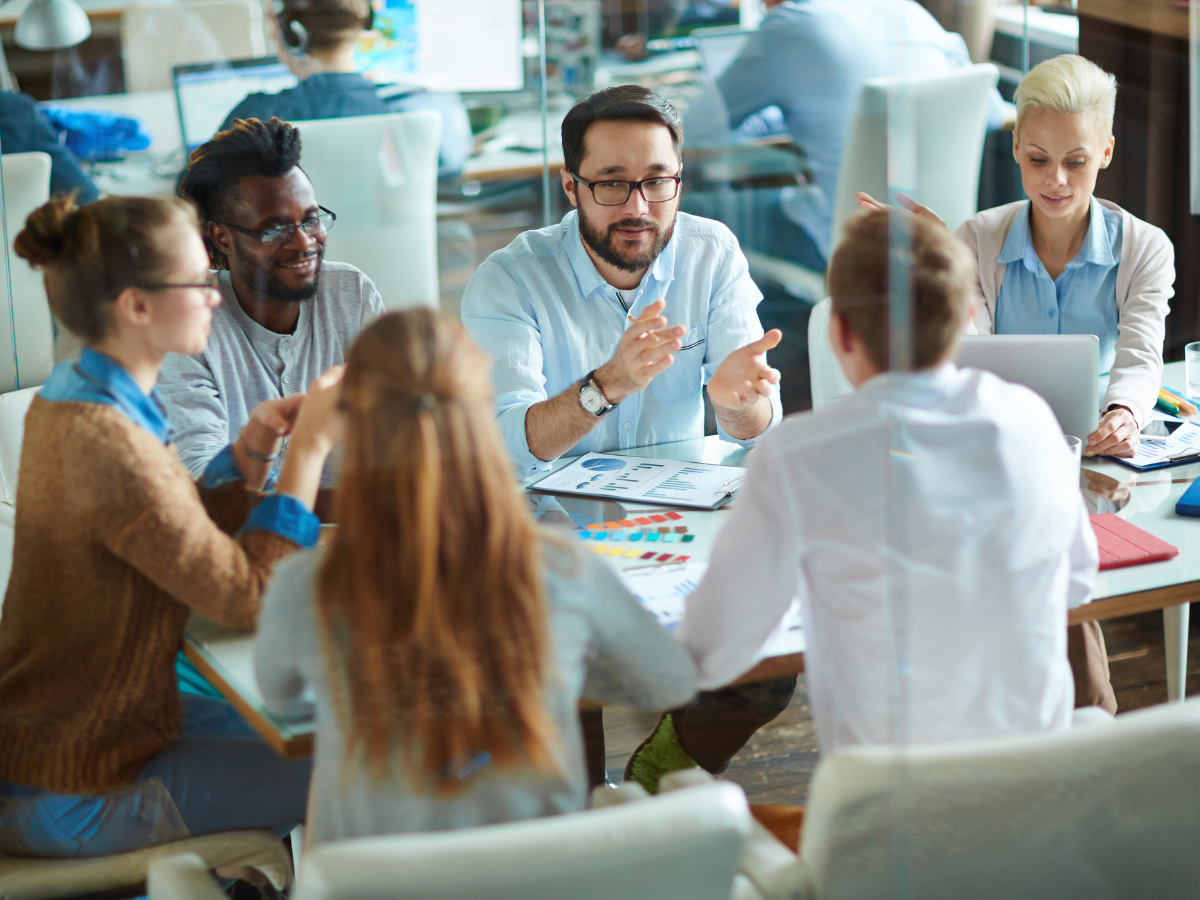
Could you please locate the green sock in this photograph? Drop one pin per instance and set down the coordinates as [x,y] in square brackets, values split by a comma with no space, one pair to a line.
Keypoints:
[658,756]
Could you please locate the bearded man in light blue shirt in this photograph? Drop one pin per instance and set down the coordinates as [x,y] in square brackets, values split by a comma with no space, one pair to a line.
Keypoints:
[606,327]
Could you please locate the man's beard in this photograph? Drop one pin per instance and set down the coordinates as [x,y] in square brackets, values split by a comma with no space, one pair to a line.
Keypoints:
[268,285]
[605,243]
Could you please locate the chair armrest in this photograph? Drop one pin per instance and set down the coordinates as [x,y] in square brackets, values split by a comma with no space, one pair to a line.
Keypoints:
[182,876]
[630,792]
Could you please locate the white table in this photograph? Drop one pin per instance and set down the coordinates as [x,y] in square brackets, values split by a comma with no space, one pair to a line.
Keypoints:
[225,656]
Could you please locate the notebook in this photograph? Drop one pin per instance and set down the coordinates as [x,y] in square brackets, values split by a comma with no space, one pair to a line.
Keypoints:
[1123,544]
[1189,503]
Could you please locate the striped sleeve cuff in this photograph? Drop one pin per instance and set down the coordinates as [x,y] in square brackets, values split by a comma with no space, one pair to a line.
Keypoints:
[286,516]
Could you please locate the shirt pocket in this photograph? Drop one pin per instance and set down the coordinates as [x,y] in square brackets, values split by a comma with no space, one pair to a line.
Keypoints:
[684,378]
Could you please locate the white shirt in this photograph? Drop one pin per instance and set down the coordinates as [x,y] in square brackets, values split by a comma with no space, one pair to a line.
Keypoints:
[929,523]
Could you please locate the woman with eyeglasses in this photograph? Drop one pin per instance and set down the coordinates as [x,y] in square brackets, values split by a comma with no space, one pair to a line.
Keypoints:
[116,546]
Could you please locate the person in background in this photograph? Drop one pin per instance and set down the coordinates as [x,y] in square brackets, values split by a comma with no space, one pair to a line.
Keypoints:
[445,640]
[316,40]
[23,129]
[116,545]
[287,315]
[930,524]
[809,59]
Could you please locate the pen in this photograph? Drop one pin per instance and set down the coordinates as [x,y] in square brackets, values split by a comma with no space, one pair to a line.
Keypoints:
[1177,399]
[1166,406]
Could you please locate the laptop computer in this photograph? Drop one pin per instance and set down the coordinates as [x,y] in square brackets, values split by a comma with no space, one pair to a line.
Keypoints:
[718,48]
[1063,368]
[206,93]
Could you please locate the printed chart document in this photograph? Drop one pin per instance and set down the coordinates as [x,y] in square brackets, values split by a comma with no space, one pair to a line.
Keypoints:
[662,590]
[1181,446]
[645,480]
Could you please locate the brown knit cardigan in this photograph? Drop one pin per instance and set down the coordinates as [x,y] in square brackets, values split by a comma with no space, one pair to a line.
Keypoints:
[115,545]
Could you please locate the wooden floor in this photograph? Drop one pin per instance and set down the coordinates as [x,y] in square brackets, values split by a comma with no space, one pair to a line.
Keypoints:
[775,767]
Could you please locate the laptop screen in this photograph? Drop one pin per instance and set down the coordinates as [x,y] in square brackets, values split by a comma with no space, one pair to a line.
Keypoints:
[206,92]
[718,51]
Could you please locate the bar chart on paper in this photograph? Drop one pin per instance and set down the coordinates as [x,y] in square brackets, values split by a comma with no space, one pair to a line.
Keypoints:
[666,481]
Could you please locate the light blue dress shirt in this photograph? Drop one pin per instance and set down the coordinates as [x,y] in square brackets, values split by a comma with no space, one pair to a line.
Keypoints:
[810,59]
[548,318]
[1082,300]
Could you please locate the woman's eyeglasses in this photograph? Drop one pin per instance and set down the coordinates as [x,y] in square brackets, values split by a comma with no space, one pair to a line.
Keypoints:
[210,283]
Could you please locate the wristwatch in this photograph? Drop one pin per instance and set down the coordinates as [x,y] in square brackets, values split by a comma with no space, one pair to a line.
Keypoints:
[591,398]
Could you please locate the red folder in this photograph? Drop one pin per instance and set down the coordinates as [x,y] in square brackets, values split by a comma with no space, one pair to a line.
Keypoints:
[1123,544]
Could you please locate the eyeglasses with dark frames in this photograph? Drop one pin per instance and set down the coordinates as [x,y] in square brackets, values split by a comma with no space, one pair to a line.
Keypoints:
[210,283]
[659,189]
[317,225]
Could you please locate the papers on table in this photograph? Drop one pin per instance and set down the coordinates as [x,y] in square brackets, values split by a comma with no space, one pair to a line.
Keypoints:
[1182,446]
[663,591]
[645,480]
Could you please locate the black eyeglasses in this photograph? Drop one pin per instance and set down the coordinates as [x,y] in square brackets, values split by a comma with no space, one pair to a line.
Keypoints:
[615,193]
[210,283]
[278,234]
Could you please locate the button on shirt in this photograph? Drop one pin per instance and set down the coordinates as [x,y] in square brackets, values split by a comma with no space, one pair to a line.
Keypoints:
[548,317]
[946,500]
[1082,300]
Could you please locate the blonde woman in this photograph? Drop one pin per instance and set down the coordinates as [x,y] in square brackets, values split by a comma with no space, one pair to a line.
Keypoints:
[444,637]
[1067,262]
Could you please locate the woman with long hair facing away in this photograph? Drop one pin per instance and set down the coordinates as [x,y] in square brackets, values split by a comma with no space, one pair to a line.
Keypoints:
[446,638]
[116,546]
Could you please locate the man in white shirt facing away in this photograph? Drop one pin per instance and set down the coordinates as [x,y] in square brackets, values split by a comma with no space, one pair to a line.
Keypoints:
[931,525]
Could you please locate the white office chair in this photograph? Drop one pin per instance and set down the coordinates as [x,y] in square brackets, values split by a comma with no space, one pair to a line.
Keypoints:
[379,175]
[682,845]
[1103,811]
[230,853]
[948,117]
[155,37]
[26,184]
[827,380]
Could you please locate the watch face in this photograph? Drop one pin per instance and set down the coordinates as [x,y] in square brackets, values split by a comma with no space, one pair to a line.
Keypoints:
[592,400]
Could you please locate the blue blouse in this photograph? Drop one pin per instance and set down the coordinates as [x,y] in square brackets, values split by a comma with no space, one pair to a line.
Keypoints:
[97,378]
[1082,300]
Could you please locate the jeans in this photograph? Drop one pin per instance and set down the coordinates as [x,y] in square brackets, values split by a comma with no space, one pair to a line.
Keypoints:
[218,775]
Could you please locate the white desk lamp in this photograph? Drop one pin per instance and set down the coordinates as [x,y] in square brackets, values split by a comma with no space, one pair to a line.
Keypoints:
[47,25]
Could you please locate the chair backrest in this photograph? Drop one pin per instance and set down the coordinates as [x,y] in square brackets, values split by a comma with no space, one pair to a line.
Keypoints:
[826,378]
[155,37]
[1107,810]
[379,175]
[26,187]
[13,407]
[684,844]
[949,120]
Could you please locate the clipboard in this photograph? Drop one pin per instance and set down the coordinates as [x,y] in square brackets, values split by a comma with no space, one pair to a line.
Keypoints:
[644,479]
[1181,448]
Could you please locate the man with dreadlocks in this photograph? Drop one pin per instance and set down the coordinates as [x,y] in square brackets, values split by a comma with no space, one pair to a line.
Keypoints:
[286,315]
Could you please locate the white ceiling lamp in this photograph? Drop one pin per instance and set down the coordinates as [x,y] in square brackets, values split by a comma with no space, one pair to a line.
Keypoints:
[52,25]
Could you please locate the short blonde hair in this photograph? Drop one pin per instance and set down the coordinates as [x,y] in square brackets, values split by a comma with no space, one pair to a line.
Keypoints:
[1070,85]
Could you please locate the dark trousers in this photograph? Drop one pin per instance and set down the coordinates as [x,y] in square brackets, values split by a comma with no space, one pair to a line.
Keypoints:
[715,725]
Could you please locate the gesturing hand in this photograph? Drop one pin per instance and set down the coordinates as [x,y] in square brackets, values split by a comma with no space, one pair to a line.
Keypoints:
[646,348]
[319,423]
[270,422]
[744,375]
[869,203]
[1116,435]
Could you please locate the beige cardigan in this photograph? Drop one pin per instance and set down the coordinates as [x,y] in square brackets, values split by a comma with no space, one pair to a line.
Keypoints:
[1145,285]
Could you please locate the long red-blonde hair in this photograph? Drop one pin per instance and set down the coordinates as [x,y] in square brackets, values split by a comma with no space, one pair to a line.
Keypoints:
[431,594]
